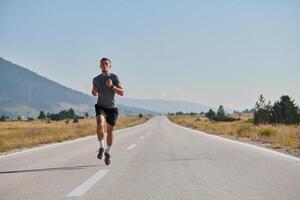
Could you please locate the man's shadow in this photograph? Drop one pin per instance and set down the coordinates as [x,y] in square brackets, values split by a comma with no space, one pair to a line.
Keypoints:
[50,169]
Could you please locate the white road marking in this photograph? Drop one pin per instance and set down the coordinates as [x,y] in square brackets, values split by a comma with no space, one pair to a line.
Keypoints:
[131,147]
[142,137]
[69,141]
[235,141]
[85,186]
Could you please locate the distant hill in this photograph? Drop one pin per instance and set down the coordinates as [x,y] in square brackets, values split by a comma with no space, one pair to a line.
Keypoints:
[25,93]
[166,106]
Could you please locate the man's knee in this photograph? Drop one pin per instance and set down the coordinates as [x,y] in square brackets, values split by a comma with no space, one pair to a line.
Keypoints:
[100,122]
[100,126]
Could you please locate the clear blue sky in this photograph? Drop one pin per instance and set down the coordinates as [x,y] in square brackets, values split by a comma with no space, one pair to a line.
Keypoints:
[210,52]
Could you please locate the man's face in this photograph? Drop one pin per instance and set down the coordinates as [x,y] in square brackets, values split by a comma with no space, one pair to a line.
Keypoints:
[105,65]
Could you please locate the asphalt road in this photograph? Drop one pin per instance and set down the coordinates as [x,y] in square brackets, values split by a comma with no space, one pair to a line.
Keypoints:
[155,160]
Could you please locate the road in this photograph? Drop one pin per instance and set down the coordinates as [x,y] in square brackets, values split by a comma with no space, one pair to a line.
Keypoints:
[155,160]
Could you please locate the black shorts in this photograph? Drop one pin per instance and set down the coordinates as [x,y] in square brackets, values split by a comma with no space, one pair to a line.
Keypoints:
[110,114]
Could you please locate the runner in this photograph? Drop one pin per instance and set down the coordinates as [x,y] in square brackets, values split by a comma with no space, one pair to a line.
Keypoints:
[105,86]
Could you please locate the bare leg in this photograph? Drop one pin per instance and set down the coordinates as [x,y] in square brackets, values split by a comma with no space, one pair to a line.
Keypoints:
[100,126]
[110,135]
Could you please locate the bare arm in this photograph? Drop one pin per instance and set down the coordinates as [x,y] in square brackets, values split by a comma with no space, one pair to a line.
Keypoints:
[116,88]
[94,91]
[119,90]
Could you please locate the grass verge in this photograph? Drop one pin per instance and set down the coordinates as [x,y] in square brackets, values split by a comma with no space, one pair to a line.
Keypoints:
[284,138]
[26,134]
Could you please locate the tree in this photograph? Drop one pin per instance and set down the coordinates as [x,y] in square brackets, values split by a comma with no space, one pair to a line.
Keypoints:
[298,115]
[71,113]
[3,118]
[262,113]
[140,115]
[179,113]
[42,115]
[30,119]
[221,113]
[285,111]
[86,115]
[64,114]
[211,114]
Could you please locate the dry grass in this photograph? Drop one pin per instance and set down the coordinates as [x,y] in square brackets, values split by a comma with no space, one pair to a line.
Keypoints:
[22,134]
[278,136]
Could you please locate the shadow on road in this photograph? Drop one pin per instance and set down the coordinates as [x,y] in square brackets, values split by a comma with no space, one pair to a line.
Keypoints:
[50,169]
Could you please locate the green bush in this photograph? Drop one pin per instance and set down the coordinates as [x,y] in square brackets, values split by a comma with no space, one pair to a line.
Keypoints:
[220,115]
[266,132]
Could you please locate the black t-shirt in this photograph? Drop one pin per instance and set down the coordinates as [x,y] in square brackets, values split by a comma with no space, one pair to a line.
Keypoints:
[106,95]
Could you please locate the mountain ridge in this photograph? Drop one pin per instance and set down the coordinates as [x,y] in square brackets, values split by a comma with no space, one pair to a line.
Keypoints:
[24,93]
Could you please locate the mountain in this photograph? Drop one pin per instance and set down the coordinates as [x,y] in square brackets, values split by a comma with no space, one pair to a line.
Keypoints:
[166,106]
[25,93]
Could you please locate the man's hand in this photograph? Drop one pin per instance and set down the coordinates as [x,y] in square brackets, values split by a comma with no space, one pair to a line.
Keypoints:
[117,89]
[109,83]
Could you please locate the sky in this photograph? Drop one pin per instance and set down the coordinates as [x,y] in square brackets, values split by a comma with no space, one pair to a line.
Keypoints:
[209,52]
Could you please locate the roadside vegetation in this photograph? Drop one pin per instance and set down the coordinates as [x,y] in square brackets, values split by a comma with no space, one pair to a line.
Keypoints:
[275,126]
[48,128]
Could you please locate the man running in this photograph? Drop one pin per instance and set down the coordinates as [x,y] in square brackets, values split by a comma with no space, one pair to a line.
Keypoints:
[105,86]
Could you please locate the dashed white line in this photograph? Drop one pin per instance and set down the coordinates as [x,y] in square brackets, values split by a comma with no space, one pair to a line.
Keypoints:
[70,141]
[131,147]
[85,186]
